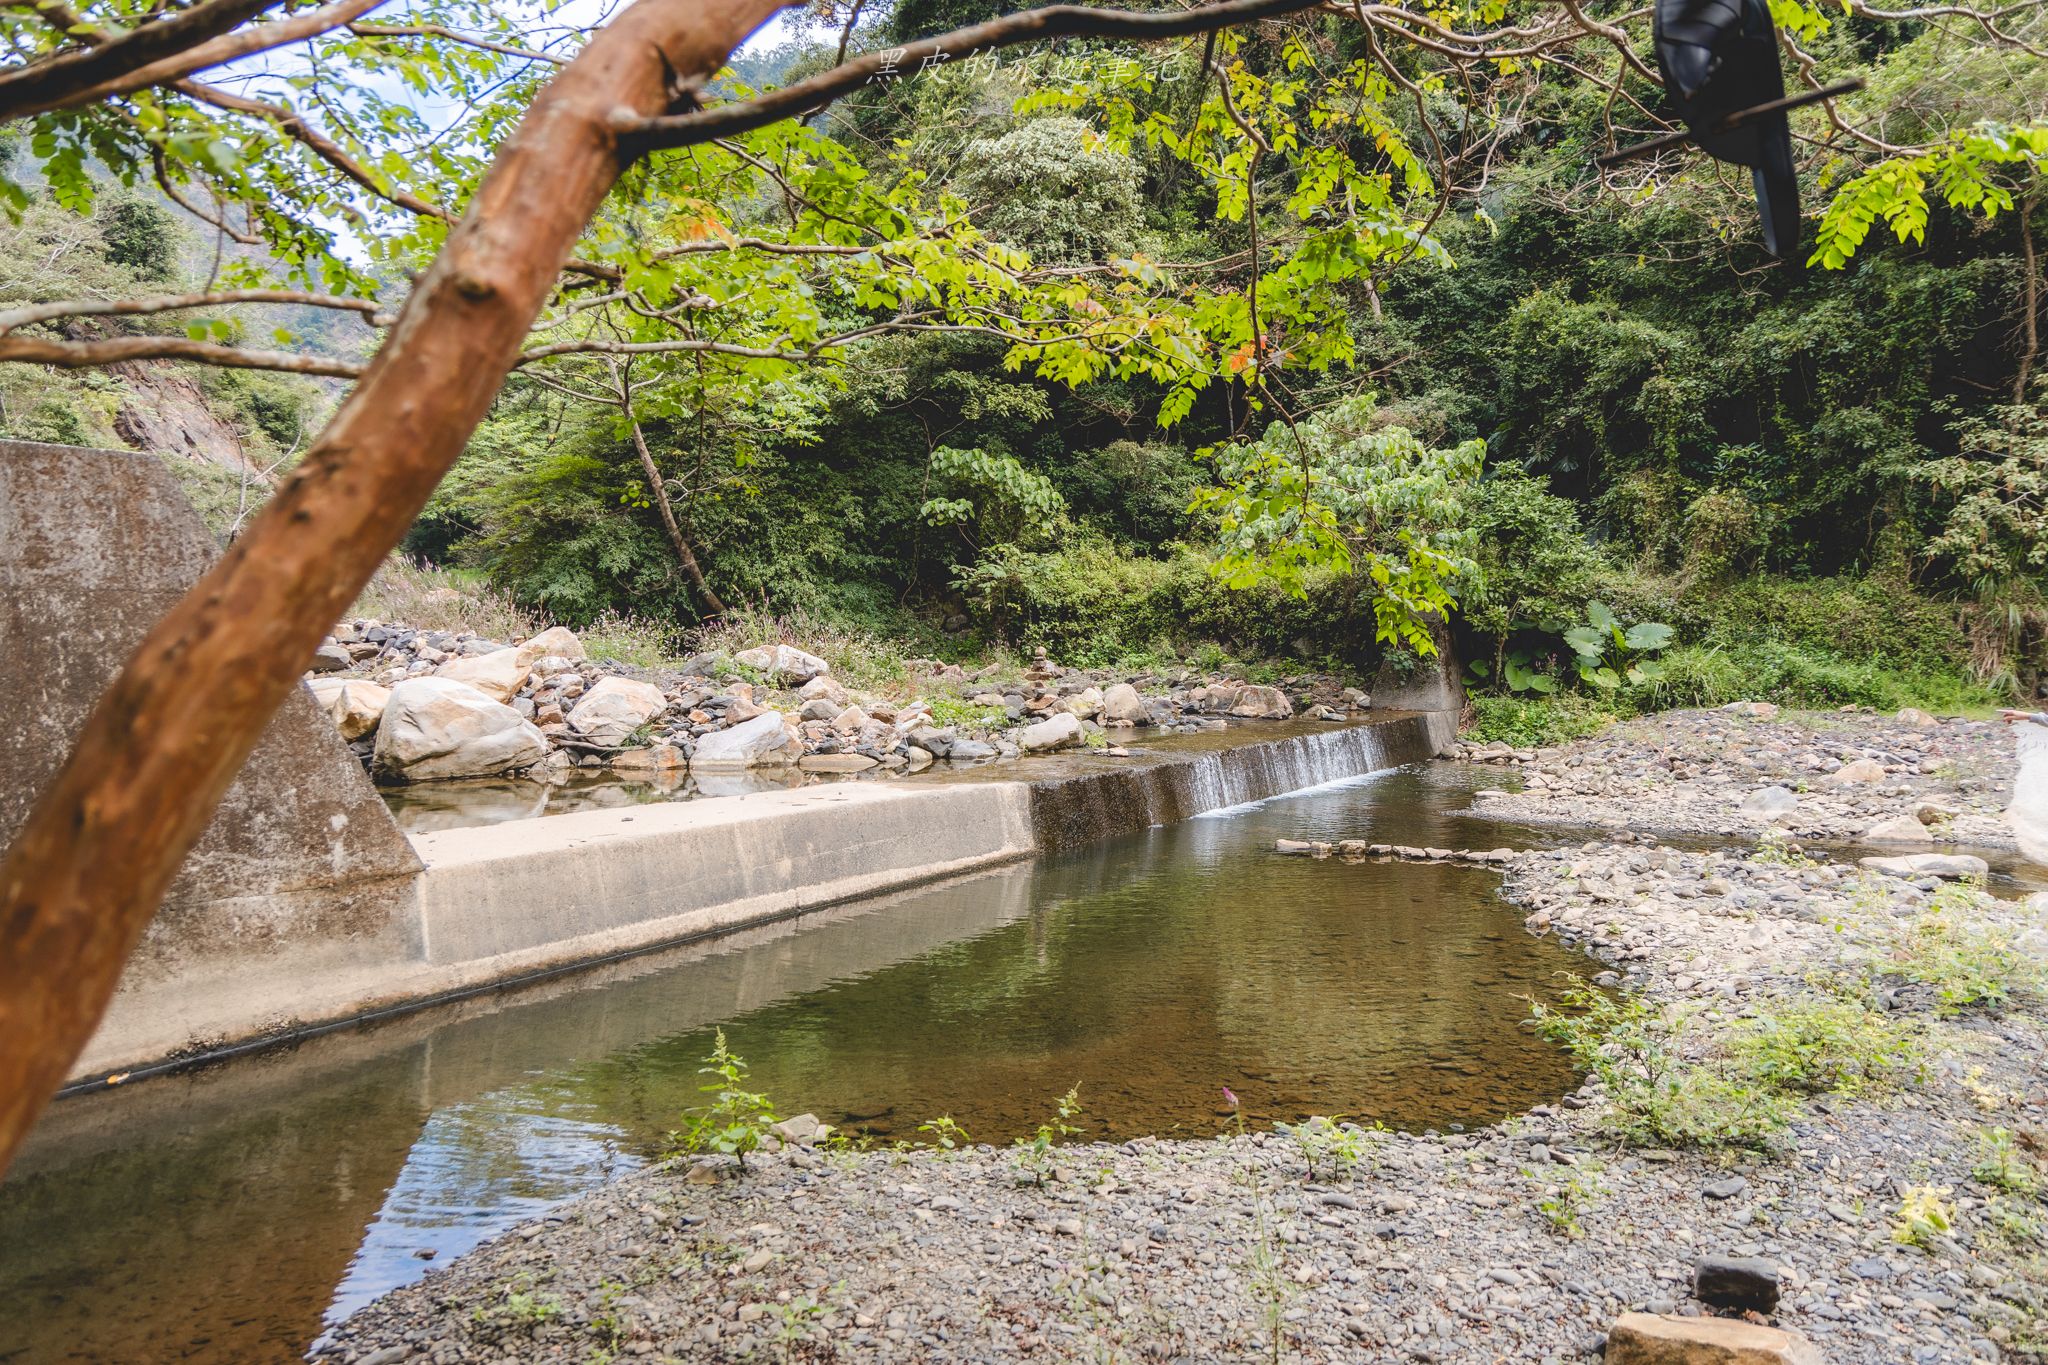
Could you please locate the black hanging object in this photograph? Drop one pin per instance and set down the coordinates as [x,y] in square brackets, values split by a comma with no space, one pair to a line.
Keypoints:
[1721,72]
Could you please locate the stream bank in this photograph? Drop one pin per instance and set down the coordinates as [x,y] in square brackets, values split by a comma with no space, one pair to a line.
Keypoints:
[1522,1241]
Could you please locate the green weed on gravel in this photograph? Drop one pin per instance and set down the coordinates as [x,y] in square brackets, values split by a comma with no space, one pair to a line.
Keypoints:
[1671,1079]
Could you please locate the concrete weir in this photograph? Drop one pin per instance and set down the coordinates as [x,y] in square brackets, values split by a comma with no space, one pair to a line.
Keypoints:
[305,908]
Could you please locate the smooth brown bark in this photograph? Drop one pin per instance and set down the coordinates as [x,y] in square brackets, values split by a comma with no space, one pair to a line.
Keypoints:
[162,745]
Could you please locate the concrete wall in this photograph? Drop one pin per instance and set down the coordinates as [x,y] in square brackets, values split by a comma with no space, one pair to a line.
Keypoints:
[302,862]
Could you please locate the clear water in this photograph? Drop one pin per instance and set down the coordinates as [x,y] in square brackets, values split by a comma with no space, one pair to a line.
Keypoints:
[226,1216]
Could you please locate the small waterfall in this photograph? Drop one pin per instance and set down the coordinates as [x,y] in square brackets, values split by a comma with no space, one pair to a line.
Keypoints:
[1165,787]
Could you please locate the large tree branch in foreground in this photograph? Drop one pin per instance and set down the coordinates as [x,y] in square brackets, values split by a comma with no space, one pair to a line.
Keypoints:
[57,81]
[161,746]
[1027,26]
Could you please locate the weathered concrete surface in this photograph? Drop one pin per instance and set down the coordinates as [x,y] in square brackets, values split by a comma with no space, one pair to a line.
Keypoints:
[507,902]
[581,886]
[303,868]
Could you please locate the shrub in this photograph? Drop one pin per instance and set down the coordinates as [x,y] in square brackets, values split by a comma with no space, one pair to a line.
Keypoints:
[1532,722]
[1819,1044]
[1713,675]
[1655,1094]
[430,598]
[1969,963]
[1724,532]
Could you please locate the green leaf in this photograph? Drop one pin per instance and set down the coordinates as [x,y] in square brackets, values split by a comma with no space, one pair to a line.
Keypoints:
[1587,642]
[1648,635]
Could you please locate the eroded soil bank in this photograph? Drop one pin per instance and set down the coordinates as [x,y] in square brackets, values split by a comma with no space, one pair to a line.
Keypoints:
[1849,1087]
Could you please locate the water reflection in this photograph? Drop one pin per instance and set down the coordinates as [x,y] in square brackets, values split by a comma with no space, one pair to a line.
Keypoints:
[221,1217]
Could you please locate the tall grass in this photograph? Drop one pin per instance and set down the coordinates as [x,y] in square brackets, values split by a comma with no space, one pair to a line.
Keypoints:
[1794,676]
[862,658]
[429,598]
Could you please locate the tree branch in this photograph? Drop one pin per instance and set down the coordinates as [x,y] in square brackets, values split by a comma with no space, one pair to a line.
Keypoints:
[78,355]
[168,303]
[1054,21]
[453,36]
[69,76]
[219,52]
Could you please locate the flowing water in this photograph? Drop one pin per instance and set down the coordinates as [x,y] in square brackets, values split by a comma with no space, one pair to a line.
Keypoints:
[224,1216]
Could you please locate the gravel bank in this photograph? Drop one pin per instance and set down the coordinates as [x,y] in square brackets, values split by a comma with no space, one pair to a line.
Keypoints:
[1520,1243]
[1829,775]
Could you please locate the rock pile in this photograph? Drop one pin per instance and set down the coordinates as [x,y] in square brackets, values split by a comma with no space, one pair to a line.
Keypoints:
[543,706]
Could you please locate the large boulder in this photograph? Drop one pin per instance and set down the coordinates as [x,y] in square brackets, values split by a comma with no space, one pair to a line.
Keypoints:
[1647,1339]
[1262,703]
[498,675]
[1059,731]
[436,728]
[355,706]
[610,712]
[1770,804]
[786,664]
[823,688]
[554,640]
[1914,716]
[1863,770]
[1899,829]
[1121,705]
[761,742]
[2028,813]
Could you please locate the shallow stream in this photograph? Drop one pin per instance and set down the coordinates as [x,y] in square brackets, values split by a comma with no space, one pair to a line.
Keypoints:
[225,1216]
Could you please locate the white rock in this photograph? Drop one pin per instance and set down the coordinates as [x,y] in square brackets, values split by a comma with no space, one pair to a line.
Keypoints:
[1058,731]
[498,675]
[1913,715]
[554,640]
[786,663]
[823,688]
[1900,829]
[1121,705]
[1770,803]
[763,741]
[1262,703]
[1862,770]
[611,711]
[355,706]
[439,727]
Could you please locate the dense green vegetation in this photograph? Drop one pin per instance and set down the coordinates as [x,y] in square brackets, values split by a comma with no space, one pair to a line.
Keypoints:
[1829,483]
